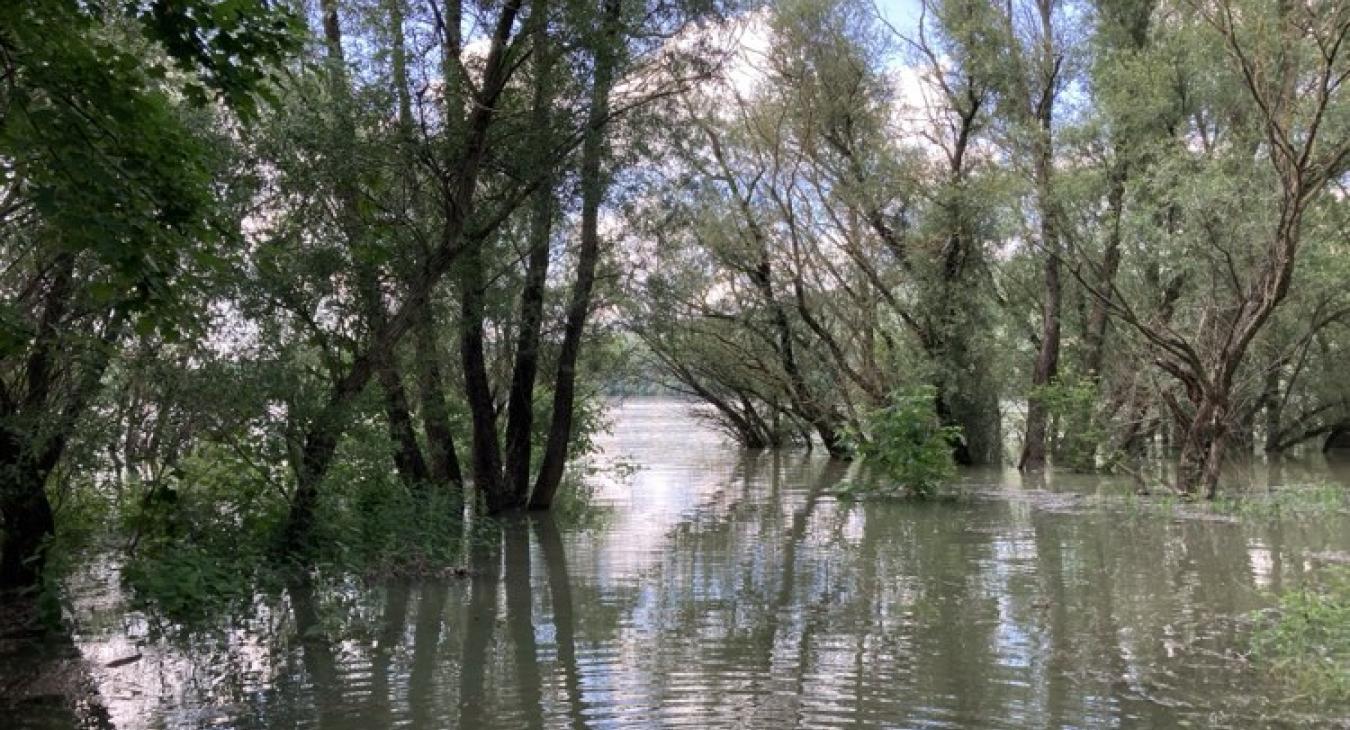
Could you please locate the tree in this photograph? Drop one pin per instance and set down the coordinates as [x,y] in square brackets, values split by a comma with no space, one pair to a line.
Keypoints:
[109,212]
[1276,146]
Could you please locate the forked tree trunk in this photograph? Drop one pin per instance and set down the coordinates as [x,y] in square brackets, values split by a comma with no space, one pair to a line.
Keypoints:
[406,453]
[442,463]
[321,436]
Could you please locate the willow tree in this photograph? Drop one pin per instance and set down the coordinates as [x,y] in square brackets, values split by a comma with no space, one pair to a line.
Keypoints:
[1034,51]
[843,235]
[1263,138]
[454,160]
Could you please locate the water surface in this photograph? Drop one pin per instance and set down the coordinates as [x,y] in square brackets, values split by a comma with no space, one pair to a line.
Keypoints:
[715,588]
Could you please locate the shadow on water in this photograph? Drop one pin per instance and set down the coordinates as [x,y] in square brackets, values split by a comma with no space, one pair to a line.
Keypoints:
[45,682]
[732,590]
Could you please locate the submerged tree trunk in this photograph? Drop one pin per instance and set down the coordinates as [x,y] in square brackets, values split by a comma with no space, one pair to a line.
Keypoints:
[1047,359]
[486,461]
[1046,369]
[441,467]
[1202,448]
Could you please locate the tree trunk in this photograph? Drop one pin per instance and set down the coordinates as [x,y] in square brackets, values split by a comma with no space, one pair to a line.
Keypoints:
[34,432]
[407,455]
[408,460]
[486,458]
[444,467]
[965,397]
[807,407]
[1338,440]
[1202,449]
[1047,360]
[25,511]
[322,434]
[825,425]
[1047,363]
[593,186]
[27,515]
[520,401]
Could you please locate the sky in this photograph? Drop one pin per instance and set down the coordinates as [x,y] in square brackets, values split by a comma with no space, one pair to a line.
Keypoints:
[903,14]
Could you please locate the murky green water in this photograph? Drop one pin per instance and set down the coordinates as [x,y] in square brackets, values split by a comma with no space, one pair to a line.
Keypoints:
[717,589]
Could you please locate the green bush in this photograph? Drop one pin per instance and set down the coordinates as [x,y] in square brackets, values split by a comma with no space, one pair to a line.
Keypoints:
[906,446]
[199,538]
[375,526]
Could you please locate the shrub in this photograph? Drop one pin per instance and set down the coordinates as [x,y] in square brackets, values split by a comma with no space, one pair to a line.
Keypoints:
[906,445]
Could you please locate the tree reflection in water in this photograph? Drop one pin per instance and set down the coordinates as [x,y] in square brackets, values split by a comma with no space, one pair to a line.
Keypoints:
[727,589]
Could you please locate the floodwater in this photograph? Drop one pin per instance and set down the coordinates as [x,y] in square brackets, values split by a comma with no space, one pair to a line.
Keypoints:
[714,588]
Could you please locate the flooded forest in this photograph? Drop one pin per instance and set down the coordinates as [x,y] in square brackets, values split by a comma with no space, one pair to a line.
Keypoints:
[674,363]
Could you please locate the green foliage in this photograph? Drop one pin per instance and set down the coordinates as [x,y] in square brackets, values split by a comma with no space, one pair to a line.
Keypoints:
[907,446]
[93,133]
[376,527]
[203,539]
[1073,400]
[1305,642]
[199,538]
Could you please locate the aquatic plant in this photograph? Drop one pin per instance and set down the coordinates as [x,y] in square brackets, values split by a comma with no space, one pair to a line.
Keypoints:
[1295,499]
[1305,640]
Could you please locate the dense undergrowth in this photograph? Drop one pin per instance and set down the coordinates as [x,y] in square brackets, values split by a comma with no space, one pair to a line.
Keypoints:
[206,540]
[191,554]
